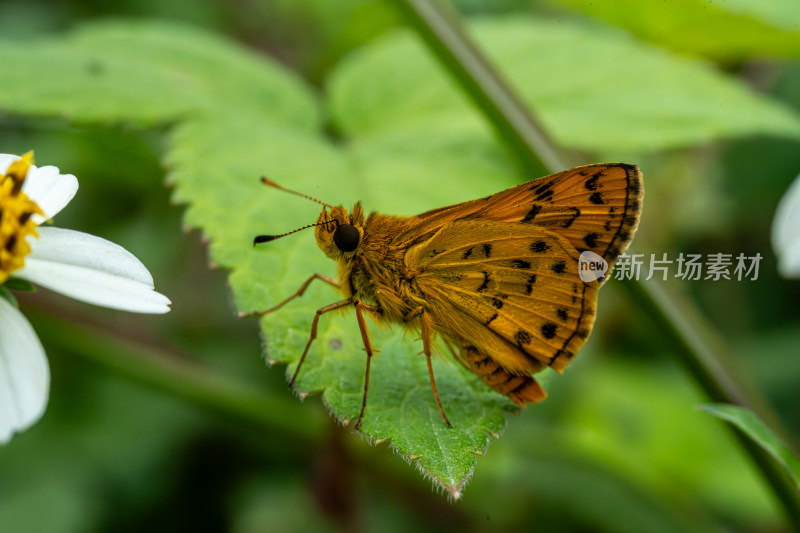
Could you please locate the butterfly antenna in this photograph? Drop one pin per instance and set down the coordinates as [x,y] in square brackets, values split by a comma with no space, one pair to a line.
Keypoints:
[266,238]
[266,181]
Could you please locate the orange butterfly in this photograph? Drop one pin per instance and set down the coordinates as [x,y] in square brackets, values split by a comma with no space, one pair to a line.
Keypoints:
[497,278]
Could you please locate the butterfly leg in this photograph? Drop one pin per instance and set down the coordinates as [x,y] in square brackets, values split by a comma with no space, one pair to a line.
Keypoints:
[362,326]
[299,292]
[321,311]
[426,349]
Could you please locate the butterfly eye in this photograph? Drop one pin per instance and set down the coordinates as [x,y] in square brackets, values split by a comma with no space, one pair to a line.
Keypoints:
[346,237]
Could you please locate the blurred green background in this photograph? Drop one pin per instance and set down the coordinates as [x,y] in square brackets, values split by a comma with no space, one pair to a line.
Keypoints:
[617,447]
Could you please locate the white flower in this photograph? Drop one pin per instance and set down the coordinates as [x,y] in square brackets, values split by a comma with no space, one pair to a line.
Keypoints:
[786,232]
[76,264]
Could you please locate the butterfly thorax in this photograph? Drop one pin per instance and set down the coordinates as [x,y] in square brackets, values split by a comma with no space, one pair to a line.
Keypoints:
[377,273]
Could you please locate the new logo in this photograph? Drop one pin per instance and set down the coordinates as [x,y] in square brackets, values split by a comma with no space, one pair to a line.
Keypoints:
[591,267]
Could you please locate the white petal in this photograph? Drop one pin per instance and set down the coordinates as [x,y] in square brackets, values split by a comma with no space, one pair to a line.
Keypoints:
[6,160]
[50,190]
[786,231]
[786,224]
[789,261]
[24,374]
[66,246]
[92,270]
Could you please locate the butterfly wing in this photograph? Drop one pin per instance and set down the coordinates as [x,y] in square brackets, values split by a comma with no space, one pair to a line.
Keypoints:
[594,207]
[509,289]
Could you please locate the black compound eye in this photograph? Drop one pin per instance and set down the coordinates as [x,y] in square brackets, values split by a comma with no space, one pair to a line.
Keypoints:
[346,237]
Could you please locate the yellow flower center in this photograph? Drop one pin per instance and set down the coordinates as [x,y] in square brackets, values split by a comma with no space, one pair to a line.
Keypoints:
[16,210]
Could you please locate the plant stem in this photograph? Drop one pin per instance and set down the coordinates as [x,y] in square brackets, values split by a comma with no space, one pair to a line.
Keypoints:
[511,119]
[438,25]
[164,371]
[275,415]
[702,353]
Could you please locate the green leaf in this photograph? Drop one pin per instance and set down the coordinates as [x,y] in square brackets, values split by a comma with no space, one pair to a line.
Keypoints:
[4,293]
[18,284]
[753,427]
[731,30]
[235,118]
[218,171]
[593,89]
[148,74]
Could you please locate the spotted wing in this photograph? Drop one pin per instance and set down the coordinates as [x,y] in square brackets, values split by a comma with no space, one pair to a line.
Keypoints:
[511,290]
[594,207]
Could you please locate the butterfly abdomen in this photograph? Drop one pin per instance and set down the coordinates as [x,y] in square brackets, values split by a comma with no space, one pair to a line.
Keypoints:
[520,389]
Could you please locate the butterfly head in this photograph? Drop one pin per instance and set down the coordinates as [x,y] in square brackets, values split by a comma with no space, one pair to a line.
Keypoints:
[340,233]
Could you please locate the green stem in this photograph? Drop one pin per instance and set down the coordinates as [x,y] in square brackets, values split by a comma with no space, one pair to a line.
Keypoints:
[164,371]
[699,348]
[702,353]
[510,117]
[273,415]
[438,25]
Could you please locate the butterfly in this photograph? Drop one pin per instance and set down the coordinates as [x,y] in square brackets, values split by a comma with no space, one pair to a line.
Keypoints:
[496,278]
